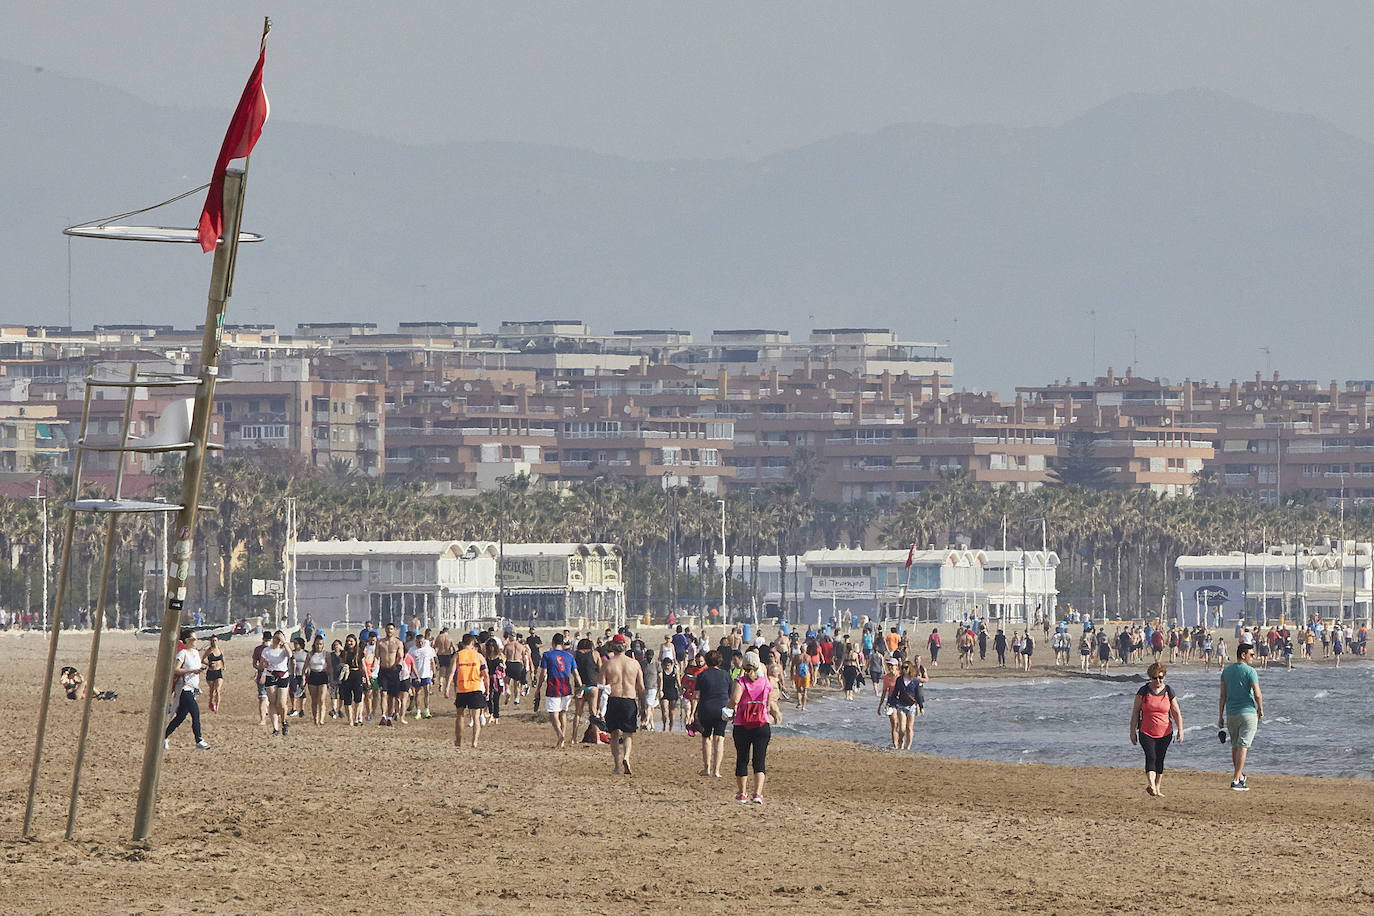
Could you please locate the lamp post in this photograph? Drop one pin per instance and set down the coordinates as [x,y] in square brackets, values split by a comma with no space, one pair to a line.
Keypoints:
[724,573]
[42,499]
[1044,550]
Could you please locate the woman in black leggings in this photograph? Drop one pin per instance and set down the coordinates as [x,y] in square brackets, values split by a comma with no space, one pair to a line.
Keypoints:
[754,708]
[1155,721]
[351,674]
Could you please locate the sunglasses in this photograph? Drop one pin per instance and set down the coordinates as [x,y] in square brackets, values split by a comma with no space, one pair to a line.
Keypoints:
[1157,677]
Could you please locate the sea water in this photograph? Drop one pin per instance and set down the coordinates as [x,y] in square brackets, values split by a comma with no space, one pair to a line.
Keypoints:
[1319,721]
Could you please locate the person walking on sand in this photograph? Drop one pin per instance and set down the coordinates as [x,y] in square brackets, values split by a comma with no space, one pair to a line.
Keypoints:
[713,694]
[625,683]
[260,675]
[470,685]
[902,701]
[214,673]
[933,644]
[423,658]
[1156,720]
[753,706]
[876,664]
[390,662]
[351,680]
[557,682]
[189,668]
[1240,707]
[276,662]
[444,651]
[802,677]
[317,678]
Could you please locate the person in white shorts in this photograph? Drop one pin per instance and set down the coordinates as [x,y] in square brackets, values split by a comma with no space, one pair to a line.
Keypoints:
[558,682]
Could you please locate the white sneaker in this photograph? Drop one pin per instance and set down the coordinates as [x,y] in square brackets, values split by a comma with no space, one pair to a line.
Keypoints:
[201,745]
[166,744]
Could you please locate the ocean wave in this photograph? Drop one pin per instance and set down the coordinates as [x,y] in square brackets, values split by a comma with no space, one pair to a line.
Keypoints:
[1321,694]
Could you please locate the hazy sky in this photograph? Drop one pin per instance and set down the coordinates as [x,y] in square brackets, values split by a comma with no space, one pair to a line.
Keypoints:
[697,78]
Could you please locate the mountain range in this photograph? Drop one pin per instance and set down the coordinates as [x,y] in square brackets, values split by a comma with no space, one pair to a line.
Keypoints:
[1185,231]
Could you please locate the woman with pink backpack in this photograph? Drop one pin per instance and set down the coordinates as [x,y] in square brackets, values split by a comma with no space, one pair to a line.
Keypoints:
[754,708]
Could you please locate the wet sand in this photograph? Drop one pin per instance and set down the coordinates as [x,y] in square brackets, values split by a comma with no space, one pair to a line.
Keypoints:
[365,820]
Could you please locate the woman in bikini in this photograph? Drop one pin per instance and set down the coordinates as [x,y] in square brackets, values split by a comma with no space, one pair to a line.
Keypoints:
[214,674]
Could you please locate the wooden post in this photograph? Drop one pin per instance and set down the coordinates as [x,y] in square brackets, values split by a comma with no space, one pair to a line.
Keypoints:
[178,574]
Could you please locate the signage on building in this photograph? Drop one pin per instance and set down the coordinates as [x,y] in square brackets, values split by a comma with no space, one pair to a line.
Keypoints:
[534,572]
[841,587]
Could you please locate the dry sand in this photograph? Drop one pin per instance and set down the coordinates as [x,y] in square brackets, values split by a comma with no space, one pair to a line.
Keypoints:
[373,820]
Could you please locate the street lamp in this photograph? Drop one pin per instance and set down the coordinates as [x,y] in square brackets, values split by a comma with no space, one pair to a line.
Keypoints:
[1044,549]
[43,507]
[724,589]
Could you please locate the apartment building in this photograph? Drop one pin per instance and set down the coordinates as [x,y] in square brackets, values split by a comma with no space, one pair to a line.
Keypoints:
[481,433]
[32,437]
[320,421]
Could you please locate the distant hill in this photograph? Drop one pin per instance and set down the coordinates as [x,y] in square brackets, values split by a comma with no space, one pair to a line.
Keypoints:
[1208,225]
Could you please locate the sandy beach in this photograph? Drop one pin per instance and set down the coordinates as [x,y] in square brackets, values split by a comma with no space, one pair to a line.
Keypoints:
[366,819]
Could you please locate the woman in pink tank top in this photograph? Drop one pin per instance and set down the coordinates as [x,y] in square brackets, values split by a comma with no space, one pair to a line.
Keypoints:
[753,702]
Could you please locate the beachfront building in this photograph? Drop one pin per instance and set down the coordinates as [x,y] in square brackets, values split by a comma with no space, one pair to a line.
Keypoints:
[1292,583]
[569,585]
[444,583]
[1019,584]
[940,585]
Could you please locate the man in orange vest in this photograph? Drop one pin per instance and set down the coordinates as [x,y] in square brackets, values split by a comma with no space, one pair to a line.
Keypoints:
[470,682]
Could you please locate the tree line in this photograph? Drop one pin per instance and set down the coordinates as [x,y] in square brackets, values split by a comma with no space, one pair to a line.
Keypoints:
[1114,544]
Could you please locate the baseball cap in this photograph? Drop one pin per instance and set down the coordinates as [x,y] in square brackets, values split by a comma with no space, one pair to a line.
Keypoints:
[620,640]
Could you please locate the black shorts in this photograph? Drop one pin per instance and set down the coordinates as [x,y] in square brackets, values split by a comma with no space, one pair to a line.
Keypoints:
[317,678]
[712,726]
[444,662]
[827,669]
[214,675]
[351,691]
[622,715]
[473,699]
[275,679]
[389,681]
[515,671]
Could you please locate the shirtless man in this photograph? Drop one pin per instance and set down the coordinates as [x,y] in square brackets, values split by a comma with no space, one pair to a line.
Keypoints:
[517,668]
[390,656]
[444,650]
[624,679]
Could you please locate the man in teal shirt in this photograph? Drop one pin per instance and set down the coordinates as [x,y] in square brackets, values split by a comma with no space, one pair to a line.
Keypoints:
[1240,707]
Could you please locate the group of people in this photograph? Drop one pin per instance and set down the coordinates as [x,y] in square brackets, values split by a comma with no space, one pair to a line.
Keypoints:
[617,685]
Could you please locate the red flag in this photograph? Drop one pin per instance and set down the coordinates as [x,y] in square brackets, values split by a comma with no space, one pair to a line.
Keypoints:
[910,555]
[244,129]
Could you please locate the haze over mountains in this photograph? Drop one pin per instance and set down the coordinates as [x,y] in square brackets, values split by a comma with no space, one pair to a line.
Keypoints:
[1209,226]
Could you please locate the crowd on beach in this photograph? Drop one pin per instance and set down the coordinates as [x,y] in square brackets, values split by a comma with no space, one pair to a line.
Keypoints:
[603,688]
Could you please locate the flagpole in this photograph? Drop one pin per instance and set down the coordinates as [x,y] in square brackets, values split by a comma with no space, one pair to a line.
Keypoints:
[221,284]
